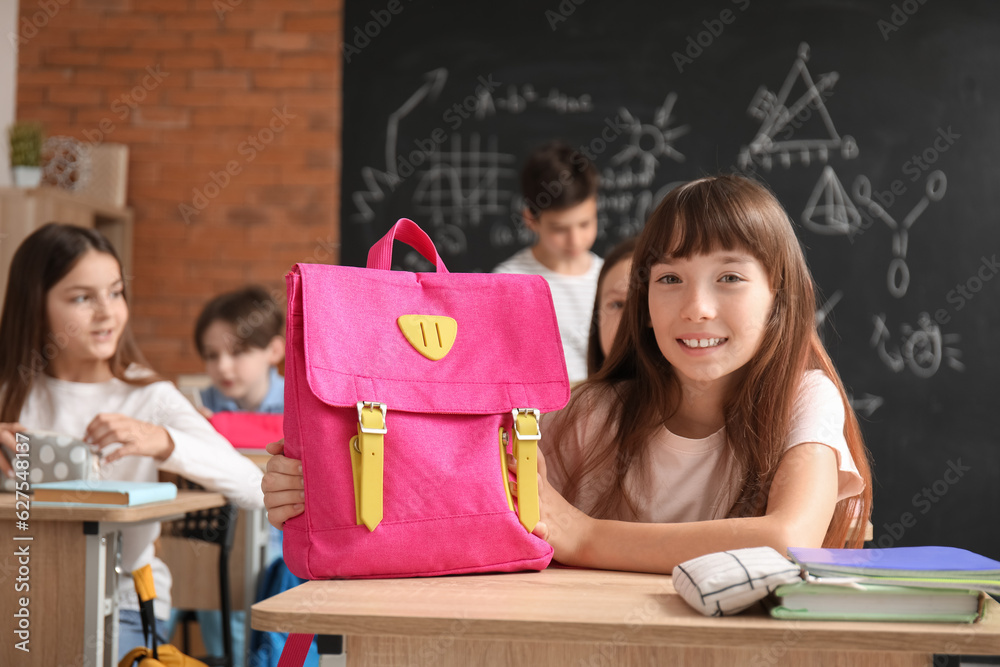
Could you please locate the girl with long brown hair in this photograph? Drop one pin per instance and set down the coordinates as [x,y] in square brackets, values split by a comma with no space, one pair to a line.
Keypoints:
[68,364]
[718,420]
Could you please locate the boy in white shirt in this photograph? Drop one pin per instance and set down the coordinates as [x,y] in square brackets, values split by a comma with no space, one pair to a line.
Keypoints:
[559,185]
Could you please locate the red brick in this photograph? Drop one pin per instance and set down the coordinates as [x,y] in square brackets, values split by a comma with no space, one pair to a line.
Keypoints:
[160,40]
[128,22]
[326,177]
[161,117]
[92,117]
[71,57]
[98,38]
[194,98]
[330,80]
[281,41]
[161,6]
[282,79]
[105,5]
[249,59]
[256,18]
[221,118]
[326,22]
[66,95]
[131,60]
[312,61]
[218,40]
[101,77]
[190,60]
[217,79]
[43,77]
[192,21]
[239,98]
[34,95]
[309,100]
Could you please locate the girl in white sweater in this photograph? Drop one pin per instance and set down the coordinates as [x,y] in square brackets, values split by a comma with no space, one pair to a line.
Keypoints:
[69,364]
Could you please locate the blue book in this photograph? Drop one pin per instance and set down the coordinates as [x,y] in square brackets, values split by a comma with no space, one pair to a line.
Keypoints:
[941,567]
[103,492]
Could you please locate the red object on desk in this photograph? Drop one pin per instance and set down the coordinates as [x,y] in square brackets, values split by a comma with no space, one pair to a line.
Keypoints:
[248,430]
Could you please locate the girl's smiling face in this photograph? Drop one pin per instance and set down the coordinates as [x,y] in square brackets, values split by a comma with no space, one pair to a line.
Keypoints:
[86,314]
[709,313]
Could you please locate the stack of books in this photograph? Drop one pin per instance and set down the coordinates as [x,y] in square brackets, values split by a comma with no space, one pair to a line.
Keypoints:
[925,584]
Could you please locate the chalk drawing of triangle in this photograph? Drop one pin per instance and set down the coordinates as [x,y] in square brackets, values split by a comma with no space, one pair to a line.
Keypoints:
[777,114]
[829,209]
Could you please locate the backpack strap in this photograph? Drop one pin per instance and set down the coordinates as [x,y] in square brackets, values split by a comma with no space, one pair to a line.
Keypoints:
[296,648]
[526,437]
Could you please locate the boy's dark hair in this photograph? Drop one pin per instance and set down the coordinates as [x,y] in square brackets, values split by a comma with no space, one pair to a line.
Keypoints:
[557,176]
[252,313]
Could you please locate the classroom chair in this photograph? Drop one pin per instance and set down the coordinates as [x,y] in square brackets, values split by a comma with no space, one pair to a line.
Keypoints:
[214,526]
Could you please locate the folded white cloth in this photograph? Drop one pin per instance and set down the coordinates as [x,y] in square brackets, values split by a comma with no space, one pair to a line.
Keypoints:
[727,582]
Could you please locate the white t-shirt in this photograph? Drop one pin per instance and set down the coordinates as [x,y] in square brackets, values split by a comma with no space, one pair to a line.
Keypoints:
[693,480]
[200,455]
[573,298]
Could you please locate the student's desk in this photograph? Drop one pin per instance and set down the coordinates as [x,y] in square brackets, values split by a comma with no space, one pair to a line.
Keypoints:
[589,617]
[71,569]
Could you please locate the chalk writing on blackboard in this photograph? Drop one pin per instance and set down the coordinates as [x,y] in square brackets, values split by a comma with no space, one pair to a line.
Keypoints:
[775,114]
[898,276]
[463,185]
[865,405]
[829,209]
[826,308]
[922,349]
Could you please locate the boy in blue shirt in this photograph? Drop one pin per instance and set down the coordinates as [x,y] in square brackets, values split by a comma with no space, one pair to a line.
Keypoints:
[240,336]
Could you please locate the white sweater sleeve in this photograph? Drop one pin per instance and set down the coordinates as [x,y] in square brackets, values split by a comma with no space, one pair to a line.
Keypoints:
[202,455]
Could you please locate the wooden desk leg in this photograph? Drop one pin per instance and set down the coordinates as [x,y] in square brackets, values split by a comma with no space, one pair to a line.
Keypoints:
[254,559]
[450,650]
[100,618]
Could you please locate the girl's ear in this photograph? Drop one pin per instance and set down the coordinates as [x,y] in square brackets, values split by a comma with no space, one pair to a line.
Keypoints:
[276,350]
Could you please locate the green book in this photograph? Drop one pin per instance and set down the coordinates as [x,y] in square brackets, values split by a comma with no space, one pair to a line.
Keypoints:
[809,600]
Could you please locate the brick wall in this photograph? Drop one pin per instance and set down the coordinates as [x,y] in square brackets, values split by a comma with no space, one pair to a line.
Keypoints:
[231,110]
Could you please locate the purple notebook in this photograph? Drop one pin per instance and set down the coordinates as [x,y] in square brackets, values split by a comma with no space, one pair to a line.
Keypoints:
[936,562]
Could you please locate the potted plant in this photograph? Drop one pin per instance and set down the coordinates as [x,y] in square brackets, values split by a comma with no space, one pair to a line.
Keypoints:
[26,153]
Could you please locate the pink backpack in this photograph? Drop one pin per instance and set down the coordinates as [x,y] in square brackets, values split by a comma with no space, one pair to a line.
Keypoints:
[402,391]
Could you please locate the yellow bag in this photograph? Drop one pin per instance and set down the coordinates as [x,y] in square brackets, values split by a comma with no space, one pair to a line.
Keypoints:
[165,655]
[169,656]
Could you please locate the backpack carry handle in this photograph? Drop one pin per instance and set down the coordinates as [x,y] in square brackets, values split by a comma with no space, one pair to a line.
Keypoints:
[407,231]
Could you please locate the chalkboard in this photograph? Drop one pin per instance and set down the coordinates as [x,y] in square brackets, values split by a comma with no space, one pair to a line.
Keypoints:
[876,123]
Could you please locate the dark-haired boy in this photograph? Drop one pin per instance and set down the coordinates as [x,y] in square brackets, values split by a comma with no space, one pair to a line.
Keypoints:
[559,185]
[240,336]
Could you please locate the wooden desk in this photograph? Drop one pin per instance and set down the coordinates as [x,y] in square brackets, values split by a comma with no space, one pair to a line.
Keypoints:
[588,617]
[74,555]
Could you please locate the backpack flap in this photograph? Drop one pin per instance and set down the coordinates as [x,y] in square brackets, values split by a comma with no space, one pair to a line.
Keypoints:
[429,342]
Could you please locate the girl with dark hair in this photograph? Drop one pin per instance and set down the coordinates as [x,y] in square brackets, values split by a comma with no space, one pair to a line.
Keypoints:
[69,364]
[612,287]
[717,421]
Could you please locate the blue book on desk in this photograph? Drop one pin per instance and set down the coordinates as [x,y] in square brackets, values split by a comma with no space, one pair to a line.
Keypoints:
[941,567]
[103,492]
